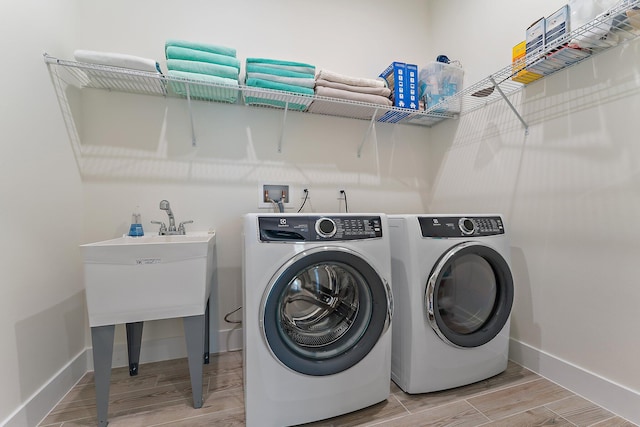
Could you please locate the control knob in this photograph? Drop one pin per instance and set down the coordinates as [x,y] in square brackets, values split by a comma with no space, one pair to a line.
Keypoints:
[467,226]
[326,227]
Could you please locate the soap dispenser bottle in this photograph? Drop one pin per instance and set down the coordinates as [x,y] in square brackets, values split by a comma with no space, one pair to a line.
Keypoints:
[135,230]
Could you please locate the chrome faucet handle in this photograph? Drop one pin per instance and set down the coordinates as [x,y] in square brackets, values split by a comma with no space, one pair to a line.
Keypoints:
[163,227]
[181,229]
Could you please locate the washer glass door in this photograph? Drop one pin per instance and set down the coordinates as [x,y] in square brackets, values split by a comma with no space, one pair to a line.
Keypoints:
[469,295]
[324,311]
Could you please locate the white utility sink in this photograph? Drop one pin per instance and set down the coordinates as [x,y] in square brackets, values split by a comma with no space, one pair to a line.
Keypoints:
[132,279]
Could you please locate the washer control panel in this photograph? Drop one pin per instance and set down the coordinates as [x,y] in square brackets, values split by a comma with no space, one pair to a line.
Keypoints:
[460,226]
[295,228]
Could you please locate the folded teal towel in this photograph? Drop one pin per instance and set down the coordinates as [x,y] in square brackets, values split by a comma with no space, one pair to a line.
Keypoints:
[175,52]
[287,65]
[256,68]
[203,68]
[213,93]
[205,47]
[266,84]
[296,81]
[255,100]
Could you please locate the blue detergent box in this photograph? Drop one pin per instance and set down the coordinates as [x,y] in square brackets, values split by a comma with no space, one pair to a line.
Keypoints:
[394,76]
[411,87]
[402,79]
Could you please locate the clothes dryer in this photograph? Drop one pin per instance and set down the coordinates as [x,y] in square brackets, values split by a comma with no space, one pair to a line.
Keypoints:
[453,288]
[317,310]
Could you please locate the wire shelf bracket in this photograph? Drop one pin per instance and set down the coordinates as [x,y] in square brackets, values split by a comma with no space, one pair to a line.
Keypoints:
[515,111]
[284,123]
[193,129]
[372,124]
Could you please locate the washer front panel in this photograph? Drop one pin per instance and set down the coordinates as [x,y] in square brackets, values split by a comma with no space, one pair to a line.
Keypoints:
[324,311]
[309,228]
[469,295]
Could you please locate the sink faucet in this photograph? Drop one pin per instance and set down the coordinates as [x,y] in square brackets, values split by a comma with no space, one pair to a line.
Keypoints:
[164,205]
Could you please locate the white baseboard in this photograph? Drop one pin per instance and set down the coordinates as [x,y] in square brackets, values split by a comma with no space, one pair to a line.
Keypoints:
[616,398]
[44,400]
[41,402]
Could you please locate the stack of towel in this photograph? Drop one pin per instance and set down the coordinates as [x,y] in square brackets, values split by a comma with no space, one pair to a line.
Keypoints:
[206,63]
[105,78]
[334,85]
[275,74]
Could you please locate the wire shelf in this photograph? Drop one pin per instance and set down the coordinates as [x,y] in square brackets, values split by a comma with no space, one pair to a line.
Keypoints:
[616,26]
[84,75]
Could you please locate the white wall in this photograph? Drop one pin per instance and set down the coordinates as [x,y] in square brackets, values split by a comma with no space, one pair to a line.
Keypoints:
[42,314]
[563,189]
[137,150]
[61,191]
[570,194]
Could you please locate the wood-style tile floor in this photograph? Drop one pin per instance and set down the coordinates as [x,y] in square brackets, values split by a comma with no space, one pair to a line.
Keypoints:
[160,395]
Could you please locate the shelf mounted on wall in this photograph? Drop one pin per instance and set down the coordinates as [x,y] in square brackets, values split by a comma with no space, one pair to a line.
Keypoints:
[95,76]
[617,25]
[608,30]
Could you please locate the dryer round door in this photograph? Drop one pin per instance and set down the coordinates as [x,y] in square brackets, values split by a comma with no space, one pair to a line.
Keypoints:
[469,295]
[325,310]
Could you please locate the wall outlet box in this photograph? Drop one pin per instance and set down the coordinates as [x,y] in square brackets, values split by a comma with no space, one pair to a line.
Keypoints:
[269,195]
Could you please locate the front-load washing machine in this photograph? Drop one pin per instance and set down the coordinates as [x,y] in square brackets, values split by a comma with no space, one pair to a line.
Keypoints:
[317,308]
[453,290]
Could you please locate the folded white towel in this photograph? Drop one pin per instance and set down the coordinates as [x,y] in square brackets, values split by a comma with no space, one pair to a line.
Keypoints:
[348,80]
[352,96]
[117,60]
[382,91]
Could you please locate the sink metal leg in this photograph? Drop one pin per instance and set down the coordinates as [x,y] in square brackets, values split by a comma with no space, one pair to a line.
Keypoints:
[206,334]
[102,342]
[194,335]
[134,339]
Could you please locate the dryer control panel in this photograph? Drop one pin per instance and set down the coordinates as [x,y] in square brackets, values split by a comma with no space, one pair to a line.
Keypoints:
[460,226]
[296,228]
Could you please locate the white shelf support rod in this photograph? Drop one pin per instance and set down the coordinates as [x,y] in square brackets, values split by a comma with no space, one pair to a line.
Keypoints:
[193,129]
[497,86]
[284,123]
[372,123]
